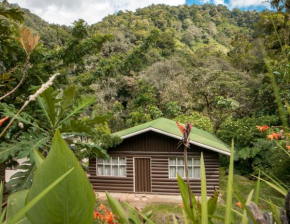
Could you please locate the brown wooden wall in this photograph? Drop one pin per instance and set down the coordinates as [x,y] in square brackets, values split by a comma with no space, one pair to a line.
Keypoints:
[159,148]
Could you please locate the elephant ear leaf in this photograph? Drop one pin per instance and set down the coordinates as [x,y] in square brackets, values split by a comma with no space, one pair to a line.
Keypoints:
[72,200]
[15,203]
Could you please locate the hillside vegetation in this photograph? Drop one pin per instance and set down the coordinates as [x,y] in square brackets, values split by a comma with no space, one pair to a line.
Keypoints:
[189,63]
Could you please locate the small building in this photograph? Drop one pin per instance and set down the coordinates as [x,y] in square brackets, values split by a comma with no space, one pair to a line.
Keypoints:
[148,160]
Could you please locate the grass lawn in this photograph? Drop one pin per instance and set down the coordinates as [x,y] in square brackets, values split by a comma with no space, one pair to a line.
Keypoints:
[241,184]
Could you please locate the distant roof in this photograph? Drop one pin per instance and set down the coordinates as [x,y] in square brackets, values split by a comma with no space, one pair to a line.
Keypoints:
[168,127]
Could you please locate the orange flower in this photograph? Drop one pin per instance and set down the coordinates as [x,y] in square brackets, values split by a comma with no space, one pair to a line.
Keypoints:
[181,205]
[102,207]
[181,127]
[239,204]
[274,135]
[288,147]
[109,217]
[3,120]
[262,128]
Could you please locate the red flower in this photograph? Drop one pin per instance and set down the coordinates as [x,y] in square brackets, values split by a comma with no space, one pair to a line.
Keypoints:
[98,215]
[3,120]
[262,128]
[181,127]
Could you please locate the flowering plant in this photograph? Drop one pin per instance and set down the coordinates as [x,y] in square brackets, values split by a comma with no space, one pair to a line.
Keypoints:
[278,135]
[104,216]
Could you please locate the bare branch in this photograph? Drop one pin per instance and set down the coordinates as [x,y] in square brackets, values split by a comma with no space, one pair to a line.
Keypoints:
[21,81]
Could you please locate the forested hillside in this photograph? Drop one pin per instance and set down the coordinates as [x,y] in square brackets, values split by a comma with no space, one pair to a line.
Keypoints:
[190,63]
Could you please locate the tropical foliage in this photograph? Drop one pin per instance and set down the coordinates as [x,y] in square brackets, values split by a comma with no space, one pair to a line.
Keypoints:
[225,70]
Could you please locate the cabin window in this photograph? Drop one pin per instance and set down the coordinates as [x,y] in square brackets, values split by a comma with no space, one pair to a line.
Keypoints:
[176,165]
[115,166]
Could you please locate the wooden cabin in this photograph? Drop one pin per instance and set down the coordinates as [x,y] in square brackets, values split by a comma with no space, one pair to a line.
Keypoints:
[148,160]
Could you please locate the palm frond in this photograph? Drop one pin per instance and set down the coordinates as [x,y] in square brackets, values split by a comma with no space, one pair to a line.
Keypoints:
[81,104]
[77,127]
[50,103]
[68,97]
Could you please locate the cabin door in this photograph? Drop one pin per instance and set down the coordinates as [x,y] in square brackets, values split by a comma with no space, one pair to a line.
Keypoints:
[142,167]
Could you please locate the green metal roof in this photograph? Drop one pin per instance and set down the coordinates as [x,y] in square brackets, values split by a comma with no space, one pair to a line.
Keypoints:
[169,127]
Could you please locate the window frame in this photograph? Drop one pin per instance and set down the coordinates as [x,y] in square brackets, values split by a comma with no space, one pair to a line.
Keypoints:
[184,176]
[110,162]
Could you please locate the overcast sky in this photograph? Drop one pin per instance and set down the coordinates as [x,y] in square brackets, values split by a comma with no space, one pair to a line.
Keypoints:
[92,11]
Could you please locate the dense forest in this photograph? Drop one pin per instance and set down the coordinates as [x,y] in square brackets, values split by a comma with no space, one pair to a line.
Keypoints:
[204,64]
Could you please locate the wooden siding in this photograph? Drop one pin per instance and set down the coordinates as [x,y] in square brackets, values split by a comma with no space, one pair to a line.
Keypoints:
[159,148]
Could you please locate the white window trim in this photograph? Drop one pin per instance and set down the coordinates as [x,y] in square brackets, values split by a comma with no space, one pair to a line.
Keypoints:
[110,162]
[184,176]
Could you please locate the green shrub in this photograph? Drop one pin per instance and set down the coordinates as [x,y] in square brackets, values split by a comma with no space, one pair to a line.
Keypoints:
[244,131]
[199,121]
[253,159]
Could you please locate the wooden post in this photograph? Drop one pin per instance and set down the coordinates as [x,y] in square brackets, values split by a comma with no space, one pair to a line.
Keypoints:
[186,174]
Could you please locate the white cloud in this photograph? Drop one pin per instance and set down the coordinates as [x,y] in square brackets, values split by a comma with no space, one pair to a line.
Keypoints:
[247,3]
[238,3]
[92,11]
[218,2]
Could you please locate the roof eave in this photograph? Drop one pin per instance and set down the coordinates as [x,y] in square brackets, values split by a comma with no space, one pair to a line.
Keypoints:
[177,137]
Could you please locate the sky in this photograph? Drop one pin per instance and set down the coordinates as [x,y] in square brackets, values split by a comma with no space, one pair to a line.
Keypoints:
[92,11]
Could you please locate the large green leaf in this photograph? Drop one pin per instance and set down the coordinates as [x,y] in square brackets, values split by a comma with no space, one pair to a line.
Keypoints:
[15,203]
[191,212]
[134,216]
[145,216]
[16,218]
[38,157]
[117,209]
[73,200]
[212,204]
